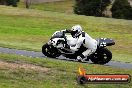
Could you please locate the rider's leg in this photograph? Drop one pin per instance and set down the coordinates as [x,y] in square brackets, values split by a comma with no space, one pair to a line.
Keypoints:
[86,53]
[91,49]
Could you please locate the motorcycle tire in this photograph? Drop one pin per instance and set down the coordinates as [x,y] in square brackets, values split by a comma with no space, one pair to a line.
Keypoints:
[101,56]
[50,51]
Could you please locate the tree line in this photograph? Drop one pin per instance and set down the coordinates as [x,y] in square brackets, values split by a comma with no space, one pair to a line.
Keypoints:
[120,8]
[9,2]
[14,3]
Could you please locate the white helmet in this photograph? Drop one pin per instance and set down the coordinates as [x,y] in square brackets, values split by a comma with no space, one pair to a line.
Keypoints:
[76,31]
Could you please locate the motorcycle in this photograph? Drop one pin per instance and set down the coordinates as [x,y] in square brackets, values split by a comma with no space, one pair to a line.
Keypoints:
[56,47]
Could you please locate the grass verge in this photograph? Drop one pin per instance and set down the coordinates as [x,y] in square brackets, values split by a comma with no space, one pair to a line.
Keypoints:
[60,74]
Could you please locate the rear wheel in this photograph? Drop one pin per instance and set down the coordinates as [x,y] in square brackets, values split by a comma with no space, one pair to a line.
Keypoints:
[101,56]
[50,51]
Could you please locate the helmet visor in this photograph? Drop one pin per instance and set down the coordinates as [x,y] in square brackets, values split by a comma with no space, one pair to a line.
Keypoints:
[73,33]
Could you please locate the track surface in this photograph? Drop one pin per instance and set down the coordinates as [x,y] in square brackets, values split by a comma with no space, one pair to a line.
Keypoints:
[40,55]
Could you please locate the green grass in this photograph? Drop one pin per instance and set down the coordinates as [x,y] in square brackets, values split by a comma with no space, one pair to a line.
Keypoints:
[61,74]
[65,6]
[30,29]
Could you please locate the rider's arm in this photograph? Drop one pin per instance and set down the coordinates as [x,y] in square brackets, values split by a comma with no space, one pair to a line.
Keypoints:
[77,46]
[62,31]
[65,31]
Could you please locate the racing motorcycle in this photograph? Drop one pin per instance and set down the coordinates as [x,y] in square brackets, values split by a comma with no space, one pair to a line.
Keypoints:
[55,47]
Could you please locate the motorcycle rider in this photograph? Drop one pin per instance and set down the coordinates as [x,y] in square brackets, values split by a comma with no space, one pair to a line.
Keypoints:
[82,39]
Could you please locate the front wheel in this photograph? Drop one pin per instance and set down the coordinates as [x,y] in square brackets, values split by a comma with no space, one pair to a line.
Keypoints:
[50,51]
[101,56]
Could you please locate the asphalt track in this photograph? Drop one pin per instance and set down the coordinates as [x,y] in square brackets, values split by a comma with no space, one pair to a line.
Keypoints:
[40,55]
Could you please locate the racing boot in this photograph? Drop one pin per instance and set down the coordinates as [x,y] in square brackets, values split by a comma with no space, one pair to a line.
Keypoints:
[81,58]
